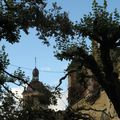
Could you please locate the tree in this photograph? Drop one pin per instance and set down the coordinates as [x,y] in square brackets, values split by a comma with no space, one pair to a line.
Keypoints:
[103,28]
[99,26]
[25,14]
[7,107]
[10,109]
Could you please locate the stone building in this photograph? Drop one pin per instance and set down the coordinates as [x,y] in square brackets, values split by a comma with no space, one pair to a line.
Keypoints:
[36,95]
[82,85]
[86,95]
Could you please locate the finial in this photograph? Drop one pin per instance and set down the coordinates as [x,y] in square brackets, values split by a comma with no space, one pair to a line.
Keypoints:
[35,61]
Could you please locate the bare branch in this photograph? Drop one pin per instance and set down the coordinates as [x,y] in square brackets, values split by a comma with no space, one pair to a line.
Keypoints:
[9,91]
[6,4]
[96,110]
[18,84]
[24,81]
[63,78]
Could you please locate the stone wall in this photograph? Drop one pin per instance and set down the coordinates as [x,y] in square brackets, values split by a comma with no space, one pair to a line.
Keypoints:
[102,109]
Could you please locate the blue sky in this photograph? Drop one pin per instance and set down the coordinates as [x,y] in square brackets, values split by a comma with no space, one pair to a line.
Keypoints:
[22,54]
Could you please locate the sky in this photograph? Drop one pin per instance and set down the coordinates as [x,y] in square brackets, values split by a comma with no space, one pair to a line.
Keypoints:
[23,54]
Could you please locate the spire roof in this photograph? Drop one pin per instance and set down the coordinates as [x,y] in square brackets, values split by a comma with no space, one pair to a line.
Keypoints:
[35,72]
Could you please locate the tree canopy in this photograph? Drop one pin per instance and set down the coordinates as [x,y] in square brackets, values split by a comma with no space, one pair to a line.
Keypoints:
[99,26]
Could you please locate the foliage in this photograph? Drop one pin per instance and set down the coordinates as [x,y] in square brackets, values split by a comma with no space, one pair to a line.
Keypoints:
[11,110]
[23,14]
[7,97]
[7,106]
[99,26]
[45,96]
[3,64]
[103,29]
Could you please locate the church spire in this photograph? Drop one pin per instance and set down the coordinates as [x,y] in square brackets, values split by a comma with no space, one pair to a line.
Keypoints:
[35,62]
[35,72]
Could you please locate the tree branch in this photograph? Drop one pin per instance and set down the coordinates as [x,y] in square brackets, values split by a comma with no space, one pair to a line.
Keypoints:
[63,78]
[97,110]
[6,4]
[24,81]
[9,91]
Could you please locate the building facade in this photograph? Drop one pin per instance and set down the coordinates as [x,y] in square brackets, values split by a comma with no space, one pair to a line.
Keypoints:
[36,95]
[85,93]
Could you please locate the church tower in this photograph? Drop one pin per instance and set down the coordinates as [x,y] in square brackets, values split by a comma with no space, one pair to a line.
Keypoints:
[36,95]
[79,85]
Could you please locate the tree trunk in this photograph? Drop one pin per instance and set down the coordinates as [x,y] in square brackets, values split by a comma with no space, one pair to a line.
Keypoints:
[106,77]
[112,92]
[112,84]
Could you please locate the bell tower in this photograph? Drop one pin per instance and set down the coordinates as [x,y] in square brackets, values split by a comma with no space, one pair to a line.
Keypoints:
[36,95]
